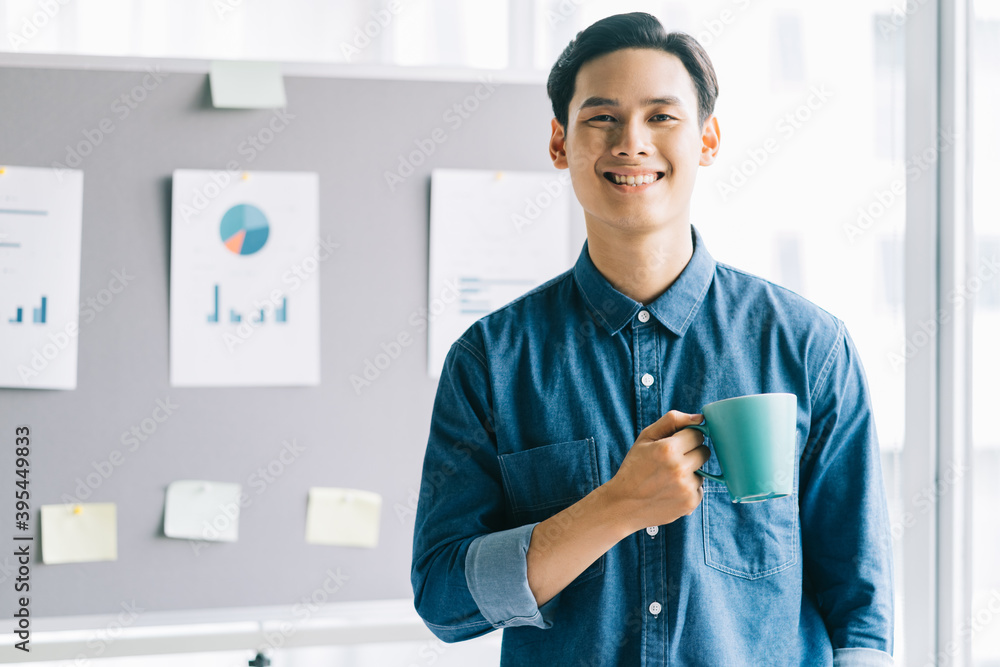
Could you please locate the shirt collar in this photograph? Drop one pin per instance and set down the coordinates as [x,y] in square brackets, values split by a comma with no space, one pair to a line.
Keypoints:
[674,309]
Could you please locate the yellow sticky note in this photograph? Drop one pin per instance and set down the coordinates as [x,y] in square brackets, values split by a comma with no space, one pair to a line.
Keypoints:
[79,533]
[343,517]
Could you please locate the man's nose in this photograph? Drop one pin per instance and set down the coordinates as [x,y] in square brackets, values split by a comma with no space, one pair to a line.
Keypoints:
[633,139]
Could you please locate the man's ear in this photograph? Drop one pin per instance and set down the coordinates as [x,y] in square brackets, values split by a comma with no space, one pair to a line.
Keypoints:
[710,139]
[557,145]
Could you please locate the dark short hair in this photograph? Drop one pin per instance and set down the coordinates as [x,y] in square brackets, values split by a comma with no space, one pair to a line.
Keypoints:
[636,30]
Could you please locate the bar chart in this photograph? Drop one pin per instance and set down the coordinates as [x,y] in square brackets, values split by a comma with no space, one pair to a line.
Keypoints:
[280,313]
[38,314]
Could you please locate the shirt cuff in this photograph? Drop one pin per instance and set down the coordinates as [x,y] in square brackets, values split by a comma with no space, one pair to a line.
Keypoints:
[861,657]
[496,571]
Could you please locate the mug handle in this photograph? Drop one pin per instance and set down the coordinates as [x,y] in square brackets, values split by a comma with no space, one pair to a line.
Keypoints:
[699,471]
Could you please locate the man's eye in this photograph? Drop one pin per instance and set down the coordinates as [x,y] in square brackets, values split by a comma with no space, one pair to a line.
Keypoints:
[603,118]
[663,116]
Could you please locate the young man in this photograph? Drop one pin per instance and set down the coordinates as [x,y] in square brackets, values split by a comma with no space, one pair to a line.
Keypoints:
[559,499]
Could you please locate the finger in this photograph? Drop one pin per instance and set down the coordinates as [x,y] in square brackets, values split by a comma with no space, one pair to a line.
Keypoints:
[699,455]
[687,440]
[670,423]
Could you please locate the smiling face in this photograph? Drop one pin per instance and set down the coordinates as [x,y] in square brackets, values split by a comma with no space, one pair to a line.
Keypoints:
[632,142]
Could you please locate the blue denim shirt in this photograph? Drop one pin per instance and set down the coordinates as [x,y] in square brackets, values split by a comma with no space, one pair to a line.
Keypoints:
[537,405]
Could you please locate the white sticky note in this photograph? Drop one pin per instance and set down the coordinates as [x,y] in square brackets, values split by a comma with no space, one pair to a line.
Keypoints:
[79,533]
[343,517]
[246,85]
[202,510]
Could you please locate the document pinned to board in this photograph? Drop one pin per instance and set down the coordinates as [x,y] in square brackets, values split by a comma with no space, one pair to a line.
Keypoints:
[202,510]
[343,517]
[80,533]
[494,236]
[41,222]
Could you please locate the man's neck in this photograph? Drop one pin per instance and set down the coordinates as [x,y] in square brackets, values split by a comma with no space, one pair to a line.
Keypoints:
[640,265]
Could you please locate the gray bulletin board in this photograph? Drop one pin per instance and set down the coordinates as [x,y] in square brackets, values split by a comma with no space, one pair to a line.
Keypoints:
[277,442]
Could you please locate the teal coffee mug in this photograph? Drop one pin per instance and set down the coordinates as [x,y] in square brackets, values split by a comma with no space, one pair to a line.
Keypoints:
[754,441]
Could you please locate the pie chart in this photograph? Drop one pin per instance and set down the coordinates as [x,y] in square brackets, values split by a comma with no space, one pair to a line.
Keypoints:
[244,229]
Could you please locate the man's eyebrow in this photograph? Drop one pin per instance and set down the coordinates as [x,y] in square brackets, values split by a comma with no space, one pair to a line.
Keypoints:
[598,102]
[666,100]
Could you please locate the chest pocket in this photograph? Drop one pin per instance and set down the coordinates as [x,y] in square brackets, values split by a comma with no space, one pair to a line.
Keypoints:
[542,481]
[749,540]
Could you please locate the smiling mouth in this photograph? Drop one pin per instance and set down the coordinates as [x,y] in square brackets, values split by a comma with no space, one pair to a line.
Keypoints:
[633,180]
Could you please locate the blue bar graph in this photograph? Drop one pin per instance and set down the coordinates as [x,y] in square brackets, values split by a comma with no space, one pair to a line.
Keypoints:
[259,316]
[18,319]
[214,317]
[39,314]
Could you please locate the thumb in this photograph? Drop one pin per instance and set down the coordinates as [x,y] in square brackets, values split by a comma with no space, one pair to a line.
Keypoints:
[670,423]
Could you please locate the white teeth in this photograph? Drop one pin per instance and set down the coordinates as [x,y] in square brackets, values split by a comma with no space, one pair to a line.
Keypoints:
[634,180]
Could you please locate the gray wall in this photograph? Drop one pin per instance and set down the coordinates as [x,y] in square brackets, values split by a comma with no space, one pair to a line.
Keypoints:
[351,132]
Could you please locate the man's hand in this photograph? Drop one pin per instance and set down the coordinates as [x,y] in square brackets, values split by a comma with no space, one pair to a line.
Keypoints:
[656,483]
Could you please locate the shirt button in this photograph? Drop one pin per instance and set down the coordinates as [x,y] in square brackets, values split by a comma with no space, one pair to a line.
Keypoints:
[647,380]
[655,608]
[643,316]
[653,530]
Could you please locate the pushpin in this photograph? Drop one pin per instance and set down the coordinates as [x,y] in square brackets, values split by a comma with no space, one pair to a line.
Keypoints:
[3,170]
[245,176]
[77,509]
[499,175]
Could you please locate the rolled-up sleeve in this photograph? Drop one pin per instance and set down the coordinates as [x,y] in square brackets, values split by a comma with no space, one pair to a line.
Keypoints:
[469,567]
[846,536]
[861,657]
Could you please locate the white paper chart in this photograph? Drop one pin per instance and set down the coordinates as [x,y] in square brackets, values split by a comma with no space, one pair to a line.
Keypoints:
[41,213]
[244,279]
[494,236]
